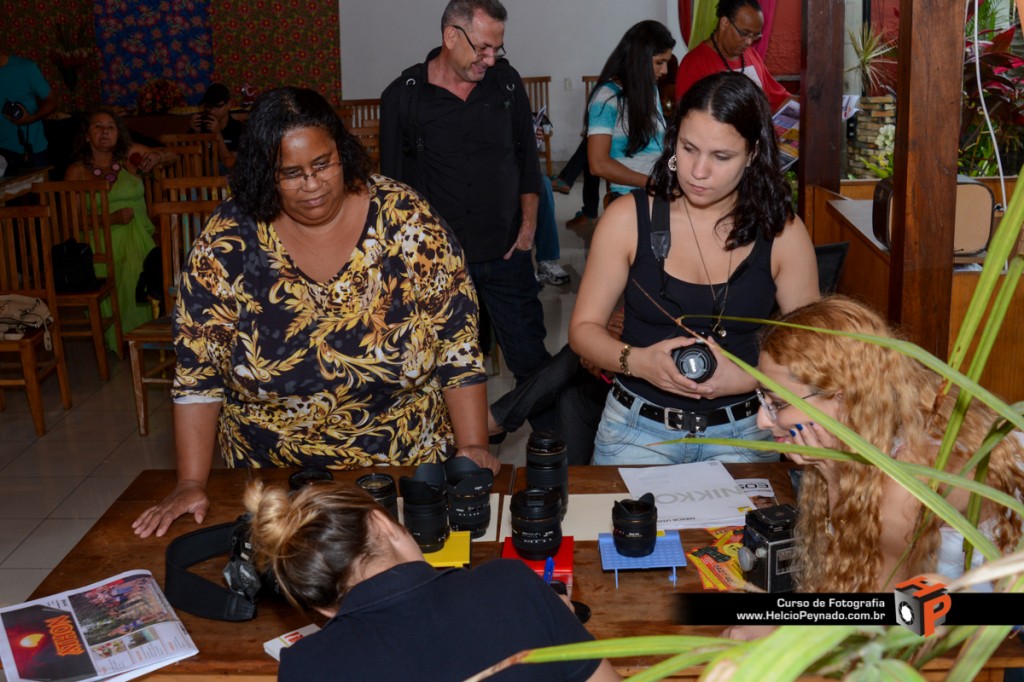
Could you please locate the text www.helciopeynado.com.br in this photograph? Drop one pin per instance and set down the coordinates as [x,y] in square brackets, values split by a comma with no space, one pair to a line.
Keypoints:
[775,609]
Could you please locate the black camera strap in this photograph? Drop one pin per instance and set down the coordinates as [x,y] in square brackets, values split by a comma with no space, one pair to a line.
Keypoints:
[194,594]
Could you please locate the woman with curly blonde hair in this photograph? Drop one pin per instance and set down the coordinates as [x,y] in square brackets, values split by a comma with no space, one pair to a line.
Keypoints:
[855,523]
[336,552]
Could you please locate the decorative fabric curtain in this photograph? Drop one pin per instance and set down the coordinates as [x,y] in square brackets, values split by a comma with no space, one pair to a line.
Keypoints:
[146,40]
[697,20]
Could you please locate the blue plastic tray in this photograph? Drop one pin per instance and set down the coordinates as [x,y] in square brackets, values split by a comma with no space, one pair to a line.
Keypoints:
[668,553]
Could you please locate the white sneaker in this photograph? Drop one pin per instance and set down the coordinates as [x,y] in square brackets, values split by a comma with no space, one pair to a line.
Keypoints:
[550,272]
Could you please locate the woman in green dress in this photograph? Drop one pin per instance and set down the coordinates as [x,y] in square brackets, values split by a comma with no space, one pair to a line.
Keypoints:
[104,150]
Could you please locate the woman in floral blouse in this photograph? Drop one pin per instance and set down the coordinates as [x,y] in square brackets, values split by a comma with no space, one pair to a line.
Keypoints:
[325,318]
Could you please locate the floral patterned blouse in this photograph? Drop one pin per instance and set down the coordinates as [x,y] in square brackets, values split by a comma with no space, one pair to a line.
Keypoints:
[345,373]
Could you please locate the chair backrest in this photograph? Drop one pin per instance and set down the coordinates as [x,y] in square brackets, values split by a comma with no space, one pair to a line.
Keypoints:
[537,91]
[588,86]
[180,222]
[194,189]
[208,157]
[25,242]
[188,163]
[356,112]
[830,259]
[369,137]
[79,211]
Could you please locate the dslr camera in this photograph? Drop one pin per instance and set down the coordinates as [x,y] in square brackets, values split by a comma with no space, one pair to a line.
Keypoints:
[769,550]
[14,110]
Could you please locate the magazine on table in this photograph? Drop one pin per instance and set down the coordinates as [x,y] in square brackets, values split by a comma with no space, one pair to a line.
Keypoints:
[787,129]
[117,629]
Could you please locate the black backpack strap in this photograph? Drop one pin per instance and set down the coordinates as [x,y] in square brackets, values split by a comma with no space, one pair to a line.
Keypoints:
[413,143]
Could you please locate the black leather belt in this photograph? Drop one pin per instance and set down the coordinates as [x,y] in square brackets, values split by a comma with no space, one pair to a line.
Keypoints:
[683,420]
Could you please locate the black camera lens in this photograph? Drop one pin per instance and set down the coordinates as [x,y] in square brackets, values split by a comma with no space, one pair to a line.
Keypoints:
[536,530]
[425,512]
[382,488]
[635,526]
[547,466]
[308,475]
[469,495]
[14,110]
[695,362]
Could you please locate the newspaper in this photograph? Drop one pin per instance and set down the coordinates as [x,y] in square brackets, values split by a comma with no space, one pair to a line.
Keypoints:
[787,129]
[117,629]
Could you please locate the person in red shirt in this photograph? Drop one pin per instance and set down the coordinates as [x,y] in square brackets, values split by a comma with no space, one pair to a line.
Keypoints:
[730,48]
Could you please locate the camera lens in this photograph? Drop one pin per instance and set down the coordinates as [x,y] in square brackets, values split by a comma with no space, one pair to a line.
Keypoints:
[308,475]
[547,466]
[635,526]
[469,495]
[536,530]
[425,512]
[382,488]
[13,110]
[695,362]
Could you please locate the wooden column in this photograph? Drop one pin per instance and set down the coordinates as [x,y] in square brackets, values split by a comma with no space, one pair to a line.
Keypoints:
[821,95]
[924,204]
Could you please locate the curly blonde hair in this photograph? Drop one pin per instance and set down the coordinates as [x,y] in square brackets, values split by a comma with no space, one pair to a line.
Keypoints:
[894,402]
[311,539]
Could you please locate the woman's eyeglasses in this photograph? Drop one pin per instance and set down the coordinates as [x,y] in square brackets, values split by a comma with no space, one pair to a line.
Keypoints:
[496,52]
[749,36]
[772,407]
[296,179]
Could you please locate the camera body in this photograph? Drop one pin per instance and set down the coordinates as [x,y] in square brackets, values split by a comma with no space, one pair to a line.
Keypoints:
[695,362]
[768,553]
[14,110]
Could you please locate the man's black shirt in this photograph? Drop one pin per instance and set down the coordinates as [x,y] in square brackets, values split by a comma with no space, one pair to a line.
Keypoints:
[471,159]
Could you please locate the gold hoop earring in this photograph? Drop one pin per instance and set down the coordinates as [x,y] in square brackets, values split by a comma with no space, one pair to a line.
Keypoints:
[672,163]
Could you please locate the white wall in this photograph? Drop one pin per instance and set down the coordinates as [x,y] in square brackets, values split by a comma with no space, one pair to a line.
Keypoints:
[564,39]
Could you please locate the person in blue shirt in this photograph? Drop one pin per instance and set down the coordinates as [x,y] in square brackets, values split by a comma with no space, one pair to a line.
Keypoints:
[27,99]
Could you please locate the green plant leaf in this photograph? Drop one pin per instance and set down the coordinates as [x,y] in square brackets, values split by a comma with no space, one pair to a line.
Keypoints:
[789,652]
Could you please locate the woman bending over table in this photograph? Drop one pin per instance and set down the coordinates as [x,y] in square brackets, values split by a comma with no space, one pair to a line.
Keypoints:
[336,552]
[325,317]
[734,249]
[105,150]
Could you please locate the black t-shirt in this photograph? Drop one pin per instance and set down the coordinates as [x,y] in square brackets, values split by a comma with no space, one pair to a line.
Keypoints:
[476,156]
[413,622]
[232,133]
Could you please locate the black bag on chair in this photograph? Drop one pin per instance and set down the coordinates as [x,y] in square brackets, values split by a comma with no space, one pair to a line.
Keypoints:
[151,280]
[73,268]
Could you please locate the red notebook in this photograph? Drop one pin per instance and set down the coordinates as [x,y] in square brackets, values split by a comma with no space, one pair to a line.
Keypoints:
[563,561]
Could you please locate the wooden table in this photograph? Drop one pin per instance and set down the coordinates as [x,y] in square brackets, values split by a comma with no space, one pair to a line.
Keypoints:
[641,605]
[16,185]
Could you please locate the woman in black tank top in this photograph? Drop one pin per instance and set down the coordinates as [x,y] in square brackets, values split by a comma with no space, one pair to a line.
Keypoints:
[714,237]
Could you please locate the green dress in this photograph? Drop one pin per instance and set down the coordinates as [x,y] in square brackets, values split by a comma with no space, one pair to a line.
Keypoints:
[132,242]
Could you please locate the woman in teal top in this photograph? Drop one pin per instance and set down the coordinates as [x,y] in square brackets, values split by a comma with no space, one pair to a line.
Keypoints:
[625,124]
[104,150]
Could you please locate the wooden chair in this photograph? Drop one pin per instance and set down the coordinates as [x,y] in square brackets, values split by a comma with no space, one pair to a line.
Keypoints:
[369,137]
[356,112]
[588,87]
[180,222]
[188,164]
[537,91]
[209,162]
[25,269]
[194,189]
[79,211]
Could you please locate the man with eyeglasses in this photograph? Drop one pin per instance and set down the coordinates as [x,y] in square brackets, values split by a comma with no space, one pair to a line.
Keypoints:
[458,129]
[731,48]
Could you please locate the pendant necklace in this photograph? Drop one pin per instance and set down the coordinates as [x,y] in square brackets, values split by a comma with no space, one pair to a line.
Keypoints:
[743,60]
[716,308]
[110,176]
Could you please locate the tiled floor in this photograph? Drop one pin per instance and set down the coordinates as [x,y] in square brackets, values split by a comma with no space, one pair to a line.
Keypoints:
[52,489]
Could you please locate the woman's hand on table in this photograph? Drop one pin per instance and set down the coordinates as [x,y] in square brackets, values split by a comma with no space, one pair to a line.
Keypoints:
[188,497]
[481,456]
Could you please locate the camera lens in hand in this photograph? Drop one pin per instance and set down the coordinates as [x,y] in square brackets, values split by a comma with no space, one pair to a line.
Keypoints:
[14,110]
[635,526]
[425,511]
[695,362]
[536,530]
[547,466]
[382,488]
[469,495]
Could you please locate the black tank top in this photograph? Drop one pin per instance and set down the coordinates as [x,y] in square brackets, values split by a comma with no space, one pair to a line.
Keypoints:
[751,294]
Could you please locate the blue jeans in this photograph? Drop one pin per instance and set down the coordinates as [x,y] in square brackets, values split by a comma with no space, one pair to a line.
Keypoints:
[546,237]
[508,289]
[625,437]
